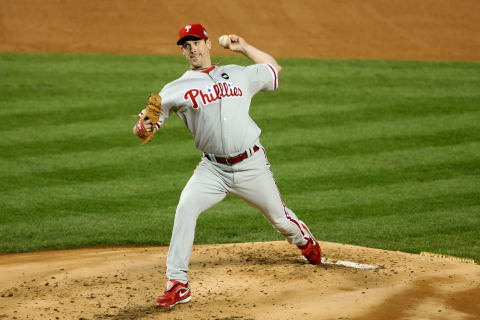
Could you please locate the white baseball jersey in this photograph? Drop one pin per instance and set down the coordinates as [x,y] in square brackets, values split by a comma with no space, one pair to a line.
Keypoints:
[215,105]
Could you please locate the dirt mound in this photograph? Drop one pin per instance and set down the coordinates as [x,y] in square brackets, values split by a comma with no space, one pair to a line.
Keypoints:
[409,29]
[238,281]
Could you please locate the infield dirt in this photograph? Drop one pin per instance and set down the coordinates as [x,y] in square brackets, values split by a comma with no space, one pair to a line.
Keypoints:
[238,281]
[251,280]
[378,29]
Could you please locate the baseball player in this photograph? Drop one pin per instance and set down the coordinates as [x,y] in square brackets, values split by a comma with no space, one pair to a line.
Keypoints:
[214,101]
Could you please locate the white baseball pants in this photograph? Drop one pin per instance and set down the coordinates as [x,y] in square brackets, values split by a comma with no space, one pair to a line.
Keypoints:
[252,181]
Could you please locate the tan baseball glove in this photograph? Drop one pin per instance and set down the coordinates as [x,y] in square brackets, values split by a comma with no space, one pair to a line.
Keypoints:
[145,126]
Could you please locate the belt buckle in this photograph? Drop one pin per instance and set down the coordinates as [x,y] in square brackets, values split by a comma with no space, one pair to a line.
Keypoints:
[227,161]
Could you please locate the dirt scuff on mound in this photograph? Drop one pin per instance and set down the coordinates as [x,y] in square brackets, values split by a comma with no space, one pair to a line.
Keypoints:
[237,281]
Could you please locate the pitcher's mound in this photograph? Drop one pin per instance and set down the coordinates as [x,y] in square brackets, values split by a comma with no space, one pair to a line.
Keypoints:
[238,281]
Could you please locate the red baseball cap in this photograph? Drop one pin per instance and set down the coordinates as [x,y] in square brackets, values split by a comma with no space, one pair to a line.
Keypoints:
[194,30]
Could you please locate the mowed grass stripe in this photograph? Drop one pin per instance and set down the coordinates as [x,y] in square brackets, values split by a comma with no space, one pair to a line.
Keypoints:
[73,230]
[327,149]
[108,173]
[125,155]
[24,137]
[381,177]
[358,221]
[181,138]
[360,131]
[323,149]
[360,163]
[98,142]
[434,231]
[70,169]
[406,111]
[119,124]
[338,198]
[338,172]
[333,141]
[398,108]
[407,108]
[399,207]
[321,179]
[80,195]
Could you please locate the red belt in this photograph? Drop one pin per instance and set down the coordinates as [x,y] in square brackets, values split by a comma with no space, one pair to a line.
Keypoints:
[232,160]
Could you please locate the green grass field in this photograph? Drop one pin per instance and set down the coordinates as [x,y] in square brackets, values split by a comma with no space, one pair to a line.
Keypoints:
[383,154]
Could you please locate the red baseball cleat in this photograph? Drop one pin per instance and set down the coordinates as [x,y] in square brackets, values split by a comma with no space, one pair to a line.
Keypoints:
[175,293]
[311,251]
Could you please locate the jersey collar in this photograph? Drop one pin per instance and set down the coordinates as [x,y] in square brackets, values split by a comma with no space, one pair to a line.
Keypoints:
[209,69]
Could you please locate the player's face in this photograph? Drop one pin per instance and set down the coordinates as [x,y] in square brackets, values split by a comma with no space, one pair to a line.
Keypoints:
[197,53]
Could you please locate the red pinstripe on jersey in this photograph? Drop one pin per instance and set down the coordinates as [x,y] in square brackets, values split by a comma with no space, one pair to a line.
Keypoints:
[275,80]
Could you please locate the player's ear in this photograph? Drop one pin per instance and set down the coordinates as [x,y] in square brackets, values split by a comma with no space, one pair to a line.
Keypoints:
[209,44]
[182,49]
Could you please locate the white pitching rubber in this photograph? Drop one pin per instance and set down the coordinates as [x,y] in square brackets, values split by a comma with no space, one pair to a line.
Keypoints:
[348,264]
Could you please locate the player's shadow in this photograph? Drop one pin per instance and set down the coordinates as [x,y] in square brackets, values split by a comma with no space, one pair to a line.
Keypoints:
[140,312]
[249,259]
[137,312]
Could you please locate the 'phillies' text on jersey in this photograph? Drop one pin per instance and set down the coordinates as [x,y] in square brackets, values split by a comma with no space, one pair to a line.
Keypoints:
[220,90]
